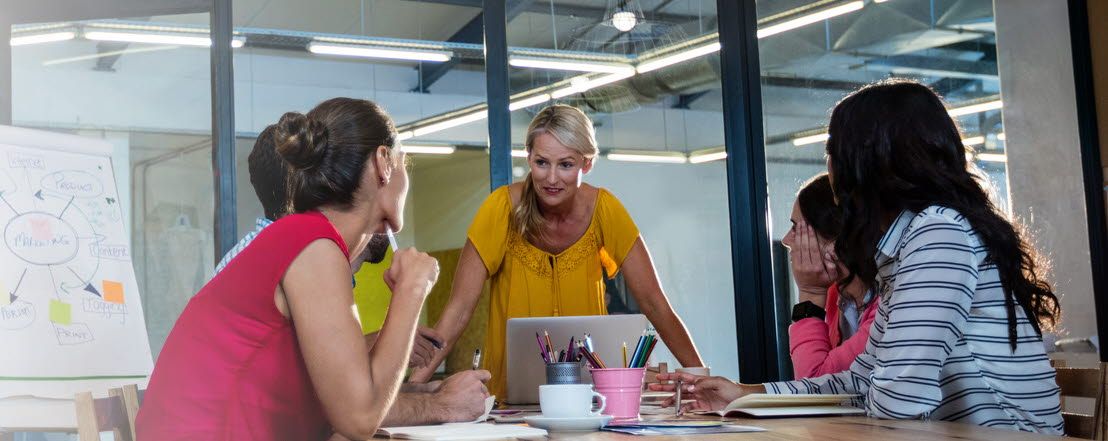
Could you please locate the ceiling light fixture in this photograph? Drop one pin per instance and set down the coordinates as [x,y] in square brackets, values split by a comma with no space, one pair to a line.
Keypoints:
[428,149]
[583,83]
[152,38]
[1001,137]
[973,140]
[349,50]
[24,40]
[579,66]
[685,55]
[624,20]
[805,140]
[976,108]
[808,19]
[992,157]
[519,153]
[647,156]
[451,122]
[707,155]
[528,102]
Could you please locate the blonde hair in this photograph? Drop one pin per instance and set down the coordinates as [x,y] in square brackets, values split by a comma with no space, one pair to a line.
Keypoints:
[573,129]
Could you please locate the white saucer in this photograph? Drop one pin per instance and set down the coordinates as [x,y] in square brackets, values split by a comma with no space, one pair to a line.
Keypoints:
[575,424]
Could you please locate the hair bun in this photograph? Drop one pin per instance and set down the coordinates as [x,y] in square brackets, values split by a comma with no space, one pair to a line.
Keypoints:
[301,141]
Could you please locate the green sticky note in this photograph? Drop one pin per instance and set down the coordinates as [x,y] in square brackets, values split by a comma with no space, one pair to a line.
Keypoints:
[5,295]
[61,312]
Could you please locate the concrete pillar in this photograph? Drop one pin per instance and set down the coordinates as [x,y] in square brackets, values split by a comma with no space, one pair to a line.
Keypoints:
[1044,158]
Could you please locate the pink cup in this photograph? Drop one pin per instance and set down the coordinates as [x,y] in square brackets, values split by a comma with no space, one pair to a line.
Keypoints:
[622,387]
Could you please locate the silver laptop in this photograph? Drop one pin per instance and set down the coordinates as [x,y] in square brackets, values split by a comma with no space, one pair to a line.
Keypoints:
[526,370]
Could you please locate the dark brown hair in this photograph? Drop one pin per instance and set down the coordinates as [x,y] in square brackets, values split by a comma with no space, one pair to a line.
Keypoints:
[894,147]
[327,150]
[269,175]
[817,204]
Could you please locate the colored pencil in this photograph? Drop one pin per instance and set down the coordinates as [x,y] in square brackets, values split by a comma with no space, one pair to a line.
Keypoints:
[638,349]
[624,354]
[542,349]
[599,361]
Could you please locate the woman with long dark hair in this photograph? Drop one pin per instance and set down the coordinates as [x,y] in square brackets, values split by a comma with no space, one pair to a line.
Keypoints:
[962,298]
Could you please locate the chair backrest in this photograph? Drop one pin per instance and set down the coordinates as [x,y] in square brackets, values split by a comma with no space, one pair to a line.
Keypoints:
[116,413]
[1085,383]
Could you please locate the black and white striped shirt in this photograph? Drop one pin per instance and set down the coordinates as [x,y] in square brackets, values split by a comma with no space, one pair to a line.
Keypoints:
[939,346]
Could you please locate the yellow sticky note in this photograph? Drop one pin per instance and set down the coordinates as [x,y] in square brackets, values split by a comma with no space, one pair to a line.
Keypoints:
[113,291]
[5,295]
[60,312]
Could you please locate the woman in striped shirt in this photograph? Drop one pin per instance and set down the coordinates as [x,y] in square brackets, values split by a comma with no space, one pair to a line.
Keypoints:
[962,303]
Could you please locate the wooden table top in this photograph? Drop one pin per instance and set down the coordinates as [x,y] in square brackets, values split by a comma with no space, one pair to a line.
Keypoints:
[833,428]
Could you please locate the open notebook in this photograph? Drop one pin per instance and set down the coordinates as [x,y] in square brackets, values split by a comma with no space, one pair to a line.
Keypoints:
[462,431]
[451,432]
[774,405]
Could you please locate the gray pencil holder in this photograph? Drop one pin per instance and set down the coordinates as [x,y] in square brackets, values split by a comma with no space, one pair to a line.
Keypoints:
[568,372]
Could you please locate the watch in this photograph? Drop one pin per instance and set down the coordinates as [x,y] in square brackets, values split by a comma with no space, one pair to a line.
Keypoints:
[807,309]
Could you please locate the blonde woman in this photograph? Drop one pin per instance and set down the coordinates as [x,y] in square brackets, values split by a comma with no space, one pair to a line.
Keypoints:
[545,244]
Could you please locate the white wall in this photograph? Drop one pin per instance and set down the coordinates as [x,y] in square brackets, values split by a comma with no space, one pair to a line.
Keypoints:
[1044,157]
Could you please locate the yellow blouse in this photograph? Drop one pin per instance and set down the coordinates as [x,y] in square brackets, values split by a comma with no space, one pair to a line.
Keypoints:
[529,282]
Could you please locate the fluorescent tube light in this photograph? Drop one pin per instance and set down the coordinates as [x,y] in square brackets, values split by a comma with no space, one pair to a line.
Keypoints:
[647,156]
[579,66]
[582,83]
[976,108]
[992,157]
[678,57]
[142,37]
[974,140]
[810,18]
[404,135]
[519,153]
[707,155]
[805,140]
[378,52]
[42,38]
[528,102]
[145,37]
[1001,137]
[452,122]
[428,149]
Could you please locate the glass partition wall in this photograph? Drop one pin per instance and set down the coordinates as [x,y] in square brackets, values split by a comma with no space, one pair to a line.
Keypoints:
[647,73]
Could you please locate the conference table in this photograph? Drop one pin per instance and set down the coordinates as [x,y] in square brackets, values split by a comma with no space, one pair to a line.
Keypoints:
[832,428]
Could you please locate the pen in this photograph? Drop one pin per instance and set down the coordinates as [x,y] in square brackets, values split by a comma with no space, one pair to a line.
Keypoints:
[476,358]
[392,238]
[677,396]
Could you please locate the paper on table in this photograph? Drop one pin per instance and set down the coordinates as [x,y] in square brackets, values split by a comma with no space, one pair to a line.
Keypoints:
[489,403]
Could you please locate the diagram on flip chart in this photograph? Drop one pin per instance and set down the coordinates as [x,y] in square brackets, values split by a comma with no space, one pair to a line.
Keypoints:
[69,303]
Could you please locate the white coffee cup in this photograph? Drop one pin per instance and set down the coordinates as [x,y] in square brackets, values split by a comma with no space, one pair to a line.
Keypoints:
[569,400]
[699,371]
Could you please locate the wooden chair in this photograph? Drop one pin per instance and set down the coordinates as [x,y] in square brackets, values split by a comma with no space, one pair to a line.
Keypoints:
[1086,383]
[115,413]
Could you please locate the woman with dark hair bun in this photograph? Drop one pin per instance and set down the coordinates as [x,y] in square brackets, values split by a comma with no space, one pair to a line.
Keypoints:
[270,348]
[831,321]
[958,333]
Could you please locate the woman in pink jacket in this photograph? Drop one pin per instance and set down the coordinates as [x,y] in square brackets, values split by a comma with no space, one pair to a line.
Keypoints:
[830,322]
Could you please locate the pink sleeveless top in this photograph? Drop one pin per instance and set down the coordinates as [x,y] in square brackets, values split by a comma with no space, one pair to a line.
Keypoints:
[231,368]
